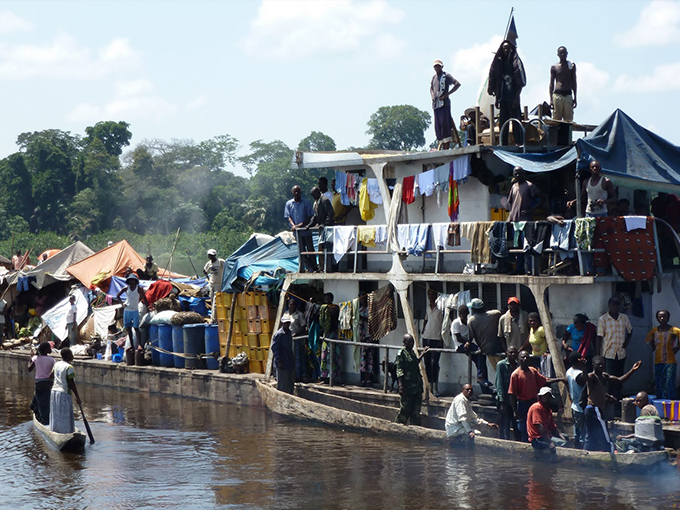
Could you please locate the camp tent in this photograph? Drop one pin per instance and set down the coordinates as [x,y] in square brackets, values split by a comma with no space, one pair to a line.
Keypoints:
[260,263]
[51,271]
[109,262]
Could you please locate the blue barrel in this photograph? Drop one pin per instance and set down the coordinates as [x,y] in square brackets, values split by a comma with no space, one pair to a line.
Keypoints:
[194,343]
[212,344]
[165,343]
[178,345]
[153,339]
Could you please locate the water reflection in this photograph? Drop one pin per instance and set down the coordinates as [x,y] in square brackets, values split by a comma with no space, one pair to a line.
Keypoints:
[164,452]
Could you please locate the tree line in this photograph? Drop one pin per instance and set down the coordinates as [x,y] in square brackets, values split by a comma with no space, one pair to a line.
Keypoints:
[61,186]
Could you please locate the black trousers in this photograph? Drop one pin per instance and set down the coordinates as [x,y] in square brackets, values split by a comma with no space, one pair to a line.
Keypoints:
[508,111]
[432,359]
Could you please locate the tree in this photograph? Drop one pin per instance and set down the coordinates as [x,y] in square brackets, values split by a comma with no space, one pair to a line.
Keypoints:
[114,135]
[15,186]
[400,128]
[317,141]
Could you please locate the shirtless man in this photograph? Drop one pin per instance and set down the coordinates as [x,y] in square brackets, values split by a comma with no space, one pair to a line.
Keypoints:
[562,85]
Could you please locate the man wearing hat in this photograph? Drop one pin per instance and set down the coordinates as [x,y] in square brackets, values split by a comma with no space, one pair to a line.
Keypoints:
[284,358]
[214,270]
[483,329]
[134,294]
[513,326]
[441,104]
[541,427]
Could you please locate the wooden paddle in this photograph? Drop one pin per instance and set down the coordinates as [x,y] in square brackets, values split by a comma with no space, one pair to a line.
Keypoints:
[87,425]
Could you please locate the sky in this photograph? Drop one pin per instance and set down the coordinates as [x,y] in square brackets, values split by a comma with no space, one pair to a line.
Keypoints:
[280,69]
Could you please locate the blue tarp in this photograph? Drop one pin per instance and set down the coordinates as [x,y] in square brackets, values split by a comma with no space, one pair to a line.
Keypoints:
[631,155]
[538,162]
[267,258]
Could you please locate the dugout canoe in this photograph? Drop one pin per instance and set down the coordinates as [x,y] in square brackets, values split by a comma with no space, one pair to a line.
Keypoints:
[74,442]
[302,409]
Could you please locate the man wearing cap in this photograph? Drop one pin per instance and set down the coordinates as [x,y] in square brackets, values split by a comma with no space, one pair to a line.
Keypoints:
[134,294]
[513,326]
[297,212]
[214,270]
[483,329]
[441,104]
[525,382]
[284,358]
[461,418]
[541,427]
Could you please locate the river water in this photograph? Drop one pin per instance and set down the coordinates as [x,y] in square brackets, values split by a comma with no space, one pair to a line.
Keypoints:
[165,452]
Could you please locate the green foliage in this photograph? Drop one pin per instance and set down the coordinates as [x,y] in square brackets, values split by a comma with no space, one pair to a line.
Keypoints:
[113,135]
[399,128]
[317,142]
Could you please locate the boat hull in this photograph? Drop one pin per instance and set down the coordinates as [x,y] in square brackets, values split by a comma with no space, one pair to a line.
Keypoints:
[297,408]
[74,442]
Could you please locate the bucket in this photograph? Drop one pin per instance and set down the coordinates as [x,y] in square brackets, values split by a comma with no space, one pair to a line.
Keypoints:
[212,344]
[165,343]
[153,339]
[178,345]
[140,360]
[194,343]
[130,357]
[117,358]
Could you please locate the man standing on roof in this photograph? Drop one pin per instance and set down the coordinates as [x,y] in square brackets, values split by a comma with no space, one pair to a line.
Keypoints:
[562,85]
[506,81]
[135,294]
[441,104]
[214,270]
[298,212]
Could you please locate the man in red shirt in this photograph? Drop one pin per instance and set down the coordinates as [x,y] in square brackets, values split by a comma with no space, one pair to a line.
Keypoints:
[525,382]
[541,428]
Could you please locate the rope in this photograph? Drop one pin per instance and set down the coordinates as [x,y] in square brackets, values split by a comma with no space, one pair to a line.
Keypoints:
[213,355]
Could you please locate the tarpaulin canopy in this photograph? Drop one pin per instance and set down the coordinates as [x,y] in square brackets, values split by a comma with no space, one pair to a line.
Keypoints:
[255,241]
[633,156]
[268,259]
[55,318]
[538,162]
[51,271]
[111,261]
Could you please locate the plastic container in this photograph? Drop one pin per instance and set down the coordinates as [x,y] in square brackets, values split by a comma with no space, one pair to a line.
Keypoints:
[658,403]
[165,343]
[212,344]
[194,343]
[140,360]
[669,409]
[177,345]
[130,357]
[117,358]
[153,340]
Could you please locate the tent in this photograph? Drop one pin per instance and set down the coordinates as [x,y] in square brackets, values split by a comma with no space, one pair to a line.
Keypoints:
[630,155]
[109,262]
[263,263]
[51,271]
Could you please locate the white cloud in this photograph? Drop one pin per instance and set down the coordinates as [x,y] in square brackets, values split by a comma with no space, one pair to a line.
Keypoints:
[10,23]
[471,65]
[132,100]
[591,83]
[659,25]
[300,28]
[196,103]
[664,78]
[388,46]
[65,59]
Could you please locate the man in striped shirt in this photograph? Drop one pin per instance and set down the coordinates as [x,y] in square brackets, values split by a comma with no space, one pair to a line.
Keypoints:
[613,336]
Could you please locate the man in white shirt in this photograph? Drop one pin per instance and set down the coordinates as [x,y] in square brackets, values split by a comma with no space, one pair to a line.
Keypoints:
[461,418]
[71,323]
[214,270]
[432,337]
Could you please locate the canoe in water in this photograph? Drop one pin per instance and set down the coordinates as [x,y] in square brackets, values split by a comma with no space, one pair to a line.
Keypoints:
[74,442]
[298,408]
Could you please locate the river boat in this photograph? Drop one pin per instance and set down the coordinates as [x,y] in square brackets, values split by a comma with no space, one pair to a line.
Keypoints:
[74,442]
[360,416]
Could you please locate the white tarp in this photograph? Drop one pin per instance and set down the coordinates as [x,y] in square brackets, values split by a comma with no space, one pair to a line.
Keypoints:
[55,318]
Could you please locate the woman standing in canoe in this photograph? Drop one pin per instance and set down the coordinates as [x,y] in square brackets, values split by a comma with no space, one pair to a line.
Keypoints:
[61,403]
[42,363]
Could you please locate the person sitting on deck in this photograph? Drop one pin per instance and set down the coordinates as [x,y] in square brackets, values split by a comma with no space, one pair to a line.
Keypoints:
[597,430]
[149,271]
[461,418]
[284,358]
[525,382]
[410,382]
[541,427]
[648,435]
[61,402]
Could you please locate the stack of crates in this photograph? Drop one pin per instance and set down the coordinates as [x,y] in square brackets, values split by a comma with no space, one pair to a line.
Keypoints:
[253,323]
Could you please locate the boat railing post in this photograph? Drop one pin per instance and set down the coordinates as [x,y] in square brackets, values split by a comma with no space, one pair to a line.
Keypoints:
[356,247]
[331,359]
[387,372]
